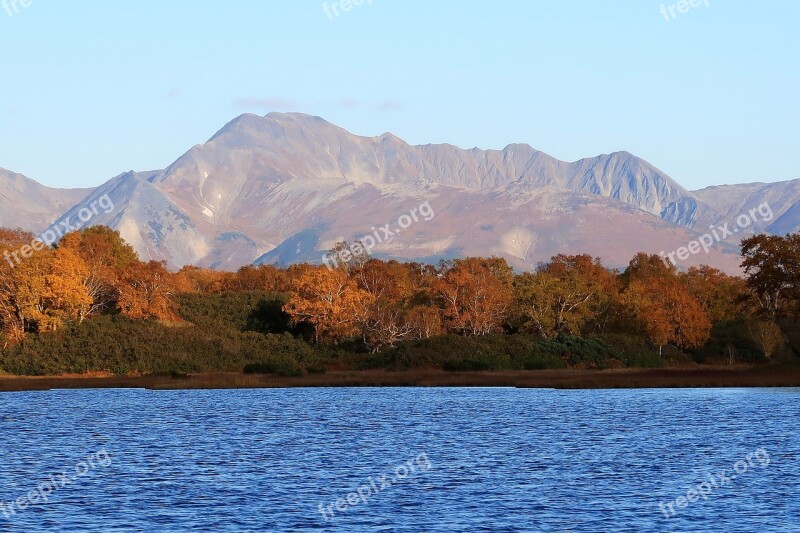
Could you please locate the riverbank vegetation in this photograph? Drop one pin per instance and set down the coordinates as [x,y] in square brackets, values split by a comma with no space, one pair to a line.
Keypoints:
[90,305]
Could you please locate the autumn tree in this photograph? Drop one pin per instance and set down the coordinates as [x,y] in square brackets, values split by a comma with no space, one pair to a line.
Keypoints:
[11,318]
[194,279]
[721,296]
[329,300]
[772,267]
[22,301]
[603,284]
[102,246]
[667,313]
[258,278]
[346,256]
[565,295]
[424,317]
[661,305]
[68,290]
[647,266]
[105,255]
[475,295]
[386,319]
[766,334]
[424,322]
[146,291]
[41,292]
[423,277]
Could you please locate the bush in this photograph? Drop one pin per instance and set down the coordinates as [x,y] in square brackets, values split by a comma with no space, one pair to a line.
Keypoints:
[579,351]
[634,351]
[120,345]
[502,352]
[230,339]
[450,351]
[729,340]
[257,311]
[275,365]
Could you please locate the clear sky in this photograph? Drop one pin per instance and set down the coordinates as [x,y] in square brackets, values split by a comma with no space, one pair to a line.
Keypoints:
[90,89]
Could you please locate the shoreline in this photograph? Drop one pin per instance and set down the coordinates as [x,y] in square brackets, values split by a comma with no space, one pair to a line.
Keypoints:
[710,377]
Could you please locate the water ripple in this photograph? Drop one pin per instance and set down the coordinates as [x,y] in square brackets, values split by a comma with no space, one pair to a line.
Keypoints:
[501,459]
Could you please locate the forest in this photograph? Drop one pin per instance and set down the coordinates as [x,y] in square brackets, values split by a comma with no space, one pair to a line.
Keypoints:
[89,305]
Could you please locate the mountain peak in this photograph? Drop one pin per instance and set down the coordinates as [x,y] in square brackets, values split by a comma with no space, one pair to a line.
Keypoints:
[284,179]
[293,115]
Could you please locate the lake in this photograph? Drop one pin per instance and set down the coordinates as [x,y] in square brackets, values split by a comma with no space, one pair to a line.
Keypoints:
[428,460]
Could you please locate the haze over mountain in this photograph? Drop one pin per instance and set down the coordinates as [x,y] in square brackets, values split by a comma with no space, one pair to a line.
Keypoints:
[26,204]
[285,187]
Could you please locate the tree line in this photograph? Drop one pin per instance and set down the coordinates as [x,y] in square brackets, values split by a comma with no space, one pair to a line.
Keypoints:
[374,306]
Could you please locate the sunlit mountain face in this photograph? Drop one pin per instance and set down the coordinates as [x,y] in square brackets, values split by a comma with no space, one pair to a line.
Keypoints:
[286,187]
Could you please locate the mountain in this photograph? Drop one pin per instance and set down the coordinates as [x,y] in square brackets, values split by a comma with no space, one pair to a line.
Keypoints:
[158,228]
[29,205]
[285,187]
[783,199]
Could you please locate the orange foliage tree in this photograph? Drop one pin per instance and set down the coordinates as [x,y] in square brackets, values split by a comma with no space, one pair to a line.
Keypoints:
[721,296]
[12,319]
[258,278]
[42,291]
[663,306]
[383,303]
[385,320]
[475,294]
[565,295]
[105,254]
[194,279]
[67,290]
[424,318]
[329,300]
[146,291]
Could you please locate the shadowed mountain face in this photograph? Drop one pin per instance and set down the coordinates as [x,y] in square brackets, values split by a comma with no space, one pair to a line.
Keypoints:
[285,187]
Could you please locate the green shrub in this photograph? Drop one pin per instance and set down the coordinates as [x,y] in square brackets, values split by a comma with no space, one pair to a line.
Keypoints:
[540,362]
[438,352]
[231,339]
[120,345]
[729,340]
[502,352]
[257,311]
[633,351]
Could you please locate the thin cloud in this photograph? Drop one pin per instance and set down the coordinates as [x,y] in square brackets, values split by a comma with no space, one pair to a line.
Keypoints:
[348,103]
[266,103]
[390,105]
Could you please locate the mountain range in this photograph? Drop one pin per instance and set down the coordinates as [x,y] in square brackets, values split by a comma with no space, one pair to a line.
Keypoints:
[285,187]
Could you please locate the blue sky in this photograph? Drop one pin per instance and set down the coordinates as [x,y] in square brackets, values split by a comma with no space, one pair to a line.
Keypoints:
[90,89]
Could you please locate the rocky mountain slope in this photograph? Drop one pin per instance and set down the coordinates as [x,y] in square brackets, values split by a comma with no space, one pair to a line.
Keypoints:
[285,187]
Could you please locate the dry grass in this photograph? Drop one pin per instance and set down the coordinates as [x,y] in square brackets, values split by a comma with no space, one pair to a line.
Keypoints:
[762,376]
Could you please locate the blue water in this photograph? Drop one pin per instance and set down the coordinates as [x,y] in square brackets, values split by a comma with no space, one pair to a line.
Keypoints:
[480,460]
